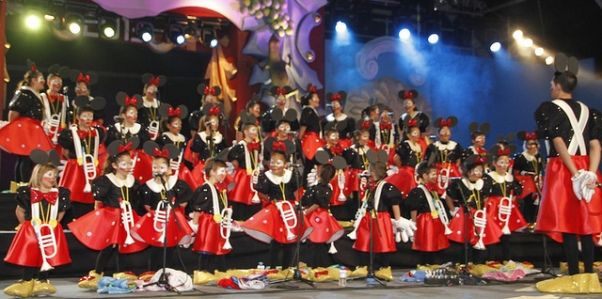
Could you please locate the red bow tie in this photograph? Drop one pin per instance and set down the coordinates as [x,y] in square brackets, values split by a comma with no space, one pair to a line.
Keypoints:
[37,196]
[253,146]
[55,97]
[385,126]
[86,134]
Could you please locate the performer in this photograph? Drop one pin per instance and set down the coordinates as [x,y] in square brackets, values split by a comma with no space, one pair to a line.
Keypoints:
[83,81]
[126,128]
[108,228]
[277,224]
[81,145]
[357,159]
[39,244]
[469,194]
[164,198]
[252,113]
[209,141]
[478,139]
[338,120]
[429,214]
[245,156]
[310,131]
[409,104]
[148,114]
[570,208]
[501,203]
[209,99]
[284,135]
[384,134]
[213,219]
[268,124]
[382,198]
[326,229]
[445,154]
[56,105]
[528,167]
[26,111]
[410,154]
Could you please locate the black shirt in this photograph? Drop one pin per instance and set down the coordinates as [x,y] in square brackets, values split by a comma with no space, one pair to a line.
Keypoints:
[178,194]
[522,164]
[417,201]
[311,120]
[389,197]
[24,200]
[407,155]
[164,139]
[273,187]
[202,199]
[110,194]
[268,125]
[66,141]
[460,193]
[509,186]
[319,195]
[345,126]
[439,152]
[421,118]
[27,103]
[208,147]
[116,132]
[237,153]
[355,159]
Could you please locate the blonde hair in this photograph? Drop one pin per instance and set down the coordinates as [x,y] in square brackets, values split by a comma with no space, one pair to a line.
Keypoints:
[38,172]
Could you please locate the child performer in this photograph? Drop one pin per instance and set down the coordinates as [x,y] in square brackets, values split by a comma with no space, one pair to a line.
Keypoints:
[149,115]
[108,228]
[429,213]
[528,168]
[311,127]
[56,104]
[338,120]
[410,153]
[209,141]
[40,207]
[445,153]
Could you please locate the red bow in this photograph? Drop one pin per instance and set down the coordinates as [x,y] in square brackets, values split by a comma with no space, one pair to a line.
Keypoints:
[481,160]
[312,88]
[253,146]
[412,123]
[336,150]
[279,146]
[130,101]
[155,80]
[33,67]
[37,196]
[385,126]
[86,134]
[481,151]
[336,97]
[81,77]
[55,97]
[445,123]
[408,95]
[125,148]
[280,91]
[210,91]
[171,112]
[161,153]
[215,111]
[366,124]
[531,136]
[503,152]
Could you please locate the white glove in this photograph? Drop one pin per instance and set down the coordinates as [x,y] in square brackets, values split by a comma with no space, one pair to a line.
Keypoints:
[392,170]
[230,168]
[578,180]
[312,178]
[588,187]
[405,226]
[255,178]
[454,211]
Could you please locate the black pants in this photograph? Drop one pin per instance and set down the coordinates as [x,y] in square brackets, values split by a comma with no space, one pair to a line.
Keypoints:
[23,168]
[318,255]
[346,211]
[281,254]
[156,258]
[105,255]
[431,258]
[571,251]
[381,260]
[528,209]
[30,273]
[210,262]
[242,212]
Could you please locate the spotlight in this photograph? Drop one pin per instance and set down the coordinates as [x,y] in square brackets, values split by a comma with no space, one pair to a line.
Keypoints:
[341,27]
[74,24]
[549,60]
[526,43]
[176,34]
[145,31]
[539,51]
[517,34]
[49,18]
[108,28]
[433,38]
[213,43]
[404,34]
[496,46]
[33,22]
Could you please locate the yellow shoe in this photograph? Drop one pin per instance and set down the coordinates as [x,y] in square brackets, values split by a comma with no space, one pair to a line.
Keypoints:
[238,272]
[90,281]
[359,272]
[384,274]
[320,275]
[43,288]
[129,276]
[21,289]
[202,277]
[586,283]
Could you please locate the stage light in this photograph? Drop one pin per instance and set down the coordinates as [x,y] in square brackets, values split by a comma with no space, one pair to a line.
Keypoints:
[213,43]
[108,28]
[144,31]
[341,27]
[49,18]
[75,28]
[74,24]
[539,51]
[496,46]
[33,22]
[549,60]
[176,34]
[433,38]
[526,43]
[404,34]
[517,34]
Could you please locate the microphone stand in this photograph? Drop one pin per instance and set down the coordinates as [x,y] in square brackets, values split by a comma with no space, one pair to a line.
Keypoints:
[465,277]
[371,279]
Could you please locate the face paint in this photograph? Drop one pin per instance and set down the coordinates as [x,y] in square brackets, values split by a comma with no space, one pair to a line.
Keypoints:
[477,172]
[38,83]
[280,101]
[284,128]
[333,138]
[414,134]
[480,141]
[444,134]
[276,164]
[364,138]
[131,115]
[160,167]
[85,118]
[256,110]
[55,84]
[124,165]
[175,126]
[408,105]
[151,91]
[49,179]
[502,163]
[220,174]
[252,132]
[81,89]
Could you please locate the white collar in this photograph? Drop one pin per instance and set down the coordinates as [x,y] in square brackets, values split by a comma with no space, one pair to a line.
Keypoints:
[472,186]
[279,179]
[133,129]
[356,148]
[499,178]
[148,104]
[129,180]
[37,94]
[217,137]
[330,117]
[175,138]
[450,145]
[156,187]
[529,157]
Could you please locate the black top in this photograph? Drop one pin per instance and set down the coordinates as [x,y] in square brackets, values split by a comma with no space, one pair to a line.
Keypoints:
[66,141]
[471,150]
[268,124]
[207,149]
[407,155]
[460,193]
[194,118]
[24,200]
[109,194]
[148,114]
[27,104]
[511,187]
[202,199]
[553,122]
[237,153]
[163,139]
[180,193]
[355,159]
[114,134]
[522,164]
[439,152]
[311,120]
[417,201]
[421,118]
[385,134]
[273,190]
[345,127]
[319,194]
[389,196]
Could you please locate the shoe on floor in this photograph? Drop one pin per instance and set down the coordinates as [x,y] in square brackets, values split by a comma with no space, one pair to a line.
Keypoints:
[90,281]
[22,288]
[43,288]
[384,273]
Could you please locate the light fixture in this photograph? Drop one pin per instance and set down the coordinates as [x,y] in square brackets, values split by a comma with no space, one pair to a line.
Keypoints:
[341,27]
[539,51]
[74,23]
[176,34]
[433,38]
[549,60]
[526,43]
[145,31]
[405,34]
[108,28]
[33,21]
[517,34]
[213,43]
[495,47]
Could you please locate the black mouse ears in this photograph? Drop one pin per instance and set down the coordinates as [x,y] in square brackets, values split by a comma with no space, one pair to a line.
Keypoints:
[377,156]
[563,63]
[277,115]
[150,79]
[60,70]
[123,99]
[482,128]
[338,162]
[96,104]
[169,151]
[45,157]
[205,90]
[119,146]
[166,111]
[88,78]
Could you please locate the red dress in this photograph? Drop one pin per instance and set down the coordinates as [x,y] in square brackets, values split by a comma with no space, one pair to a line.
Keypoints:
[500,186]
[13,141]
[430,231]
[209,201]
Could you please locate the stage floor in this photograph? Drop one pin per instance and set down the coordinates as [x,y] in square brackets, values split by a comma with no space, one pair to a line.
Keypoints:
[67,288]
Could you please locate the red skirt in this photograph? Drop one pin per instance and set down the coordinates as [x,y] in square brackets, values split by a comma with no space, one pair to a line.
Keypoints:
[198,173]
[326,228]
[492,233]
[529,186]
[241,193]
[382,231]
[74,179]
[186,175]
[23,135]
[454,172]
[310,143]
[208,237]
[25,249]
[177,229]
[103,227]
[352,181]
[189,155]
[430,234]
[403,180]
[143,170]
[516,221]
[267,225]
[559,210]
